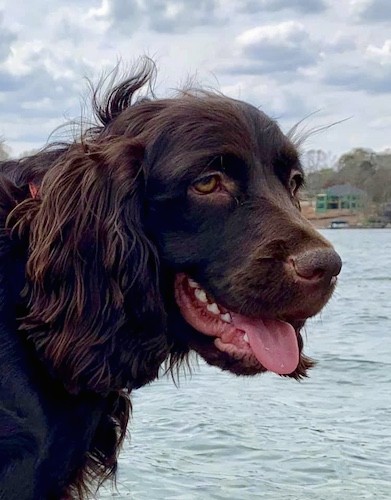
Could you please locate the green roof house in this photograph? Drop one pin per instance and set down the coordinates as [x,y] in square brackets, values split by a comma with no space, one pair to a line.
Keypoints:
[340,197]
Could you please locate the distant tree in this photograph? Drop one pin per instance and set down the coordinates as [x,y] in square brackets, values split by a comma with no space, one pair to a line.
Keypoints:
[314,160]
[355,157]
[383,158]
[386,212]
[379,185]
[317,182]
[4,151]
[360,167]
[356,167]
[367,170]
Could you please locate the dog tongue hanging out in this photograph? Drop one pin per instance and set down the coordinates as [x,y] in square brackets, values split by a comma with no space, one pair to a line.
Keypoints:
[272,344]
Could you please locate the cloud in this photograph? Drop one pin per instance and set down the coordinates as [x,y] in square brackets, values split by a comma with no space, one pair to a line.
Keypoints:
[291,57]
[371,10]
[38,81]
[339,43]
[8,82]
[373,75]
[370,79]
[381,123]
[125,16]
[181,16]
[302,6]
[77,23]
[158,15]
[380,55]
[283,47]
[6,39]
[37,94]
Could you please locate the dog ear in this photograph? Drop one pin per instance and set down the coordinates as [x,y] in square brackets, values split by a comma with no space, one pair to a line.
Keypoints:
[95,312]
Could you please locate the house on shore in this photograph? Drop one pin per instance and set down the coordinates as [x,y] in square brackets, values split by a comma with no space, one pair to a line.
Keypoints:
[342,197]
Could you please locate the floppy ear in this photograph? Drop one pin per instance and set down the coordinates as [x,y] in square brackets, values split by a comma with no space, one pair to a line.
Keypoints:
[95,313]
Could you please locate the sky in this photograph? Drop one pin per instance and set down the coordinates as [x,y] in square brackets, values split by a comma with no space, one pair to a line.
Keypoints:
[324,61]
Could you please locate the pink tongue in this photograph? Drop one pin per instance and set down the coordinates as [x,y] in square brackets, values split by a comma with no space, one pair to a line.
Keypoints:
[274,343]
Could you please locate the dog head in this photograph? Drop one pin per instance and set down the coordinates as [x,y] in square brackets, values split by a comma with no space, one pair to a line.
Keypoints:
[173,226]
[247,269]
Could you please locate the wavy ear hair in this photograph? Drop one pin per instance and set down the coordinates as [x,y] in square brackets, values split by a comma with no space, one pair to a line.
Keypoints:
[95,313]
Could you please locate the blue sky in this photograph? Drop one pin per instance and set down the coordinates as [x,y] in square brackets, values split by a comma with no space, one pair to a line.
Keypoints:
[289,57]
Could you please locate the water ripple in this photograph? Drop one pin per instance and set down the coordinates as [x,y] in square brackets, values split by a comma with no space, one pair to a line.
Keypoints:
[221,437]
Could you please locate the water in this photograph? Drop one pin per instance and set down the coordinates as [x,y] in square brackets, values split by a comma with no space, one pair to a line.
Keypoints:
[327,438]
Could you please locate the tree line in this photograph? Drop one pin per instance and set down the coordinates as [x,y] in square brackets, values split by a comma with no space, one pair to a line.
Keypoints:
[360,167]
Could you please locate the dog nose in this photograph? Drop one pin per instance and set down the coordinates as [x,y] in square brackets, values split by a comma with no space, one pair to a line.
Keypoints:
[317,264]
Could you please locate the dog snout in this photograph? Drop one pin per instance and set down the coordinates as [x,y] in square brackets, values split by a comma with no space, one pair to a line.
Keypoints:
[315,265]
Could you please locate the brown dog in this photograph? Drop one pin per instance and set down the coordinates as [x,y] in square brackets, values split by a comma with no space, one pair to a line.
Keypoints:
[172,226]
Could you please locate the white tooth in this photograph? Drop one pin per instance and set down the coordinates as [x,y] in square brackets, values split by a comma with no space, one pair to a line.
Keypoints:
[192,283]
[226,317]
[201,295]
[245,338]
[213,308]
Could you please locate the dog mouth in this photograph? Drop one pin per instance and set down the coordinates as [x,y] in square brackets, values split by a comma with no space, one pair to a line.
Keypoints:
[258,343]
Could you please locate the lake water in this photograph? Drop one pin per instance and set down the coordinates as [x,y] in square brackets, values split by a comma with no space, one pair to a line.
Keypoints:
[326,438]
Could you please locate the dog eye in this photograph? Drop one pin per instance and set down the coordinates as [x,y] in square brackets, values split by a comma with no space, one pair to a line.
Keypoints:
[207,184]
[295,182]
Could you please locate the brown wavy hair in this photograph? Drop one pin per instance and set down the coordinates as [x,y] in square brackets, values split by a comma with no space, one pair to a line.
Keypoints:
[91,306]
[95,313]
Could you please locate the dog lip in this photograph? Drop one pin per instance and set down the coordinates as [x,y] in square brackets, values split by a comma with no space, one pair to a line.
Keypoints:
[200,310]
[297,319]
[205,297]
[227,337]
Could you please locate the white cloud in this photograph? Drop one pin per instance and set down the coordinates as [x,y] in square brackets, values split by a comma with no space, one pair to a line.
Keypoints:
[302,6]
[282,103]
[381,123]
[287,33]
[7,37]
[365,11]
[372,75]
[380,55]
[281,47]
